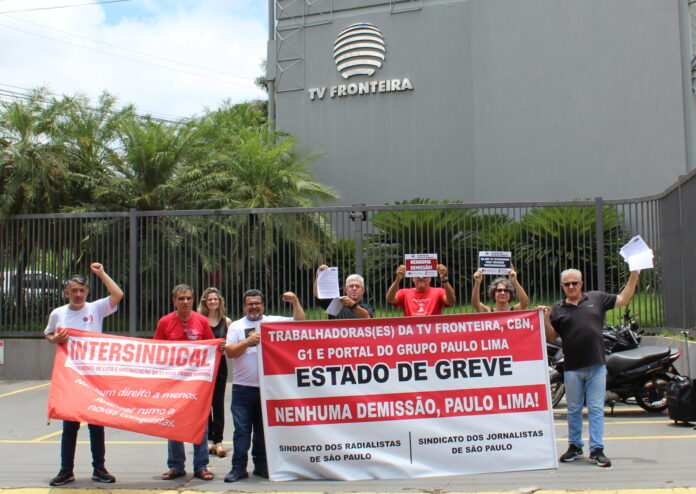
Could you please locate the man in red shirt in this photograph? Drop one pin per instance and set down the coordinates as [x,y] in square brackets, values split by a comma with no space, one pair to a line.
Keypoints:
[422,299]
[182,325]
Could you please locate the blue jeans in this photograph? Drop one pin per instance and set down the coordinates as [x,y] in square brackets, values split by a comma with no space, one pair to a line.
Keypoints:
[588,384]
[68,441]
[247,416]
[176,457]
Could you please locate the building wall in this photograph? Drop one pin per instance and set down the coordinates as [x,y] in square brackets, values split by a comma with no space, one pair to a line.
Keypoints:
[523,100]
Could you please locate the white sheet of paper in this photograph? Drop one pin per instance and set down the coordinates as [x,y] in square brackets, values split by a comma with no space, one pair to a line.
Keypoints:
[335,306]
[634,246]
[642,260]
[327,284]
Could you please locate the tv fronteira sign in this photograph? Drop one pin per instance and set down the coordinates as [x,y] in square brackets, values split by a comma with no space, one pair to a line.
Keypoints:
[360,50]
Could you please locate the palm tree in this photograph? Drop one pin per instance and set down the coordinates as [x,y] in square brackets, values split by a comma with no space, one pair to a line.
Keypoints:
[32,177]
[259,168]
[89,134]
[32,171]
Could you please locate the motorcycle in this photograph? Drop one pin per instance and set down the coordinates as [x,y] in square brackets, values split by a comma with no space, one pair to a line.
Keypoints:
[554,357]
[641,373]
[624,336]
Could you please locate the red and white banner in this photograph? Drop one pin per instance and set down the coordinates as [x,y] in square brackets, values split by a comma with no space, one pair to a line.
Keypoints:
[154,387]
[406,397]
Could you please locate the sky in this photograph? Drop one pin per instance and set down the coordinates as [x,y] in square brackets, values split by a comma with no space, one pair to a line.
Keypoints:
[170,58]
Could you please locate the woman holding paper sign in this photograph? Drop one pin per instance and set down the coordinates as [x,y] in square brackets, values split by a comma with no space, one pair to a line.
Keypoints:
[501,291]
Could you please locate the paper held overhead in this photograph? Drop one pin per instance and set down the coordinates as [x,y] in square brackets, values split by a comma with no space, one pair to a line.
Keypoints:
[642,260]
[637,254]
[327,283]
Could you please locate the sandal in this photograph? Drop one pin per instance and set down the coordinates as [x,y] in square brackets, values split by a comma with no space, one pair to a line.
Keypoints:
[204,474]
[173,474]
[219,451]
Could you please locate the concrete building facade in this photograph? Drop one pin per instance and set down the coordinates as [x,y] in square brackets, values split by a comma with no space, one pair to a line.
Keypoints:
[486,100]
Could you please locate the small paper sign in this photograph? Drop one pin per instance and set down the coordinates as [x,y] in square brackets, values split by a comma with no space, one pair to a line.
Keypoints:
[421,265]
[335,307]
[495,262]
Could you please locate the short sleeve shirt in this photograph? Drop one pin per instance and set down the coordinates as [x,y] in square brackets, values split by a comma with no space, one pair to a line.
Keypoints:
[580,328]
[245,370]
[345,312]
[88,318]
[427,303]
[172,327]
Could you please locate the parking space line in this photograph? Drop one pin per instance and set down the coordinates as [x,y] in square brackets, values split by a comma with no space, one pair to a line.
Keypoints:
[40,439]
[25,389]
[609,422]
[632,438]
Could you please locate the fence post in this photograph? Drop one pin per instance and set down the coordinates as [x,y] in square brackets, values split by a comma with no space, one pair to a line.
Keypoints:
[133,269]
[599,232]
[680,202]
[358,217]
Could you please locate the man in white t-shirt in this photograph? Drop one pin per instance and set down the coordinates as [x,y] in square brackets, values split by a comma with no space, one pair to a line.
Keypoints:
[86,316]
[246,397]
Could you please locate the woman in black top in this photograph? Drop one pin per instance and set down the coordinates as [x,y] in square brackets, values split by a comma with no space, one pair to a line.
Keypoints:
[212,305]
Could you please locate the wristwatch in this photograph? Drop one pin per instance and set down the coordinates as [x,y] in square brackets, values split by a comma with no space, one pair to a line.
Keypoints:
[352,307]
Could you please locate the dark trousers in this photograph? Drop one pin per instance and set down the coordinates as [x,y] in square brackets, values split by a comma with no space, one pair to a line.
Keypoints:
[216,421]
[68,442]
[248,428]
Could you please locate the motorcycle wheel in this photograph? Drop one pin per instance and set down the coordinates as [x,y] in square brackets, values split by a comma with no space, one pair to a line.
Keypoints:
[652,395]
[557,392]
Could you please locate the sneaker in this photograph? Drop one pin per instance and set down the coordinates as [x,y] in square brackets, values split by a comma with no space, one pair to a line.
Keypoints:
[597,456]
[236,475]
[63,477]
[572,454]
[101,475]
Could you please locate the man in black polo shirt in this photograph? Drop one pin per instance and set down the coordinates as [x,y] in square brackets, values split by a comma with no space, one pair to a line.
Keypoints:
[578,319]
[353,305]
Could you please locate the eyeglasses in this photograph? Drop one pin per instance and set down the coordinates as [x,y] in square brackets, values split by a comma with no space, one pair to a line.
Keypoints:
[502,290]
[253,304]
[571,283]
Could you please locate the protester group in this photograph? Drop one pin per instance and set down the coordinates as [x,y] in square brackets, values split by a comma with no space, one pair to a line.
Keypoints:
[577,319]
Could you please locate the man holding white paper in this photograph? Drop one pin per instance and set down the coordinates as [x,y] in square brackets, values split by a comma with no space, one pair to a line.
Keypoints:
[578,319]
[348,306]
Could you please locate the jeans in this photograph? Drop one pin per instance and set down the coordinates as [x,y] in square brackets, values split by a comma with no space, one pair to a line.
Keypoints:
[247,416]
[588,383]
[68,442]
[176,459]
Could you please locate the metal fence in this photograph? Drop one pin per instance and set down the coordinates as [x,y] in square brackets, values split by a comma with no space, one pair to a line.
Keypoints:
[277,250]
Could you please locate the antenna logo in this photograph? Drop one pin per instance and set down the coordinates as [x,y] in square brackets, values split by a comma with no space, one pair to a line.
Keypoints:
[359,50]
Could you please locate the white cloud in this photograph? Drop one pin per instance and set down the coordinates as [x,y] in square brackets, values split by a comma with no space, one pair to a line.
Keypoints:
[227,36]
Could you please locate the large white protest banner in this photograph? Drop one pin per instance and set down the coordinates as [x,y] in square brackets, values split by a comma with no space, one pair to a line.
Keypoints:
[406,397]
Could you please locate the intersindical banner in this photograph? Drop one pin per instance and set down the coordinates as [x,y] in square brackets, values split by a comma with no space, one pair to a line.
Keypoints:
[154,387]
[406,397]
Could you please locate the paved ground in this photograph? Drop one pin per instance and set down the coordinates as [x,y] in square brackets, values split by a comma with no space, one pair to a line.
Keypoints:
[648,452]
